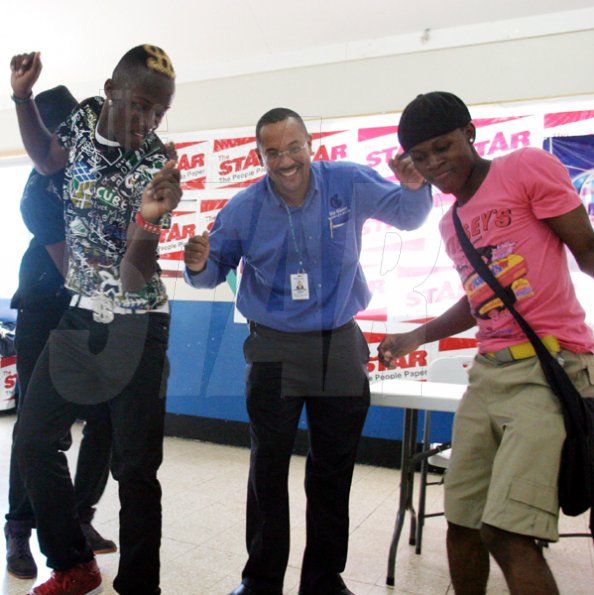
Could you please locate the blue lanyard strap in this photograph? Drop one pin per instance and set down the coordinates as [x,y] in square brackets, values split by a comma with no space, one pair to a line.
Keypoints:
[294,236]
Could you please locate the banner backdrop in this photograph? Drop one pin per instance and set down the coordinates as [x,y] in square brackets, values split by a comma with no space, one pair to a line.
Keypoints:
[409,274]
[577,153]
[8,383]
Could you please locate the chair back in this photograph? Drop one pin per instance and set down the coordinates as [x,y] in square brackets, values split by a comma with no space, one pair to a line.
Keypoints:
[451,370]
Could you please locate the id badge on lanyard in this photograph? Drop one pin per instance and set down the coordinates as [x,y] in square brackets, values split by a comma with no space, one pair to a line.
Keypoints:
[299,281]
[299,286]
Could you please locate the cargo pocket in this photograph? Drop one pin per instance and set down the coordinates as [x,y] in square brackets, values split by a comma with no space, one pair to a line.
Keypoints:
[538,495]
[535,508]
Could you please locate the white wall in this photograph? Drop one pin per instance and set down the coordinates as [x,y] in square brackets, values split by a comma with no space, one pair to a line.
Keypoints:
[544,67]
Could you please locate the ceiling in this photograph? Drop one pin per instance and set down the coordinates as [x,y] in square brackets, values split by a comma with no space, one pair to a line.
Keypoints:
[80,42]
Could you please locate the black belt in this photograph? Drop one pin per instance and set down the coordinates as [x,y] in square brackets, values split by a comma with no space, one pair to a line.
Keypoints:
[256,326]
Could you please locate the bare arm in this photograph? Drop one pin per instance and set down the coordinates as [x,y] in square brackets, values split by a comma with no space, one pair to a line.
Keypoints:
[43,148]
[59,255]
[453,321]
[161,196]
[575,231]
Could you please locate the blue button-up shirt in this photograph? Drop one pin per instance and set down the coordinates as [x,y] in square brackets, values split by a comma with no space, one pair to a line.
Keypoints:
[321,238]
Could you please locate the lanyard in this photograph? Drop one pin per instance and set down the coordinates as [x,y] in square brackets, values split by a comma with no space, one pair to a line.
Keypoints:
[294,236]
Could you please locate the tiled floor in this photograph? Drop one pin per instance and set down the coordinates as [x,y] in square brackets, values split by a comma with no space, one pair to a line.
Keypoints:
[203,525]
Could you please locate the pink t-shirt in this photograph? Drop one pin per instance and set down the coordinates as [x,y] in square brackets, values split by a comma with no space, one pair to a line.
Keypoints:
[504,221]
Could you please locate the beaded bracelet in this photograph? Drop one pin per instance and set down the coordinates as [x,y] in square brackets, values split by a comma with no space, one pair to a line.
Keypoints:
[21,100]
[146,225]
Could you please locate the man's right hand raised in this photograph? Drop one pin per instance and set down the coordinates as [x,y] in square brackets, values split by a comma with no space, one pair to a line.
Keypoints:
[25,70]
[196,252]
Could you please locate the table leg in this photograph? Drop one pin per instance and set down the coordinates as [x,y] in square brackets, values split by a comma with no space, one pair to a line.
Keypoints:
[423,482]
[406,487]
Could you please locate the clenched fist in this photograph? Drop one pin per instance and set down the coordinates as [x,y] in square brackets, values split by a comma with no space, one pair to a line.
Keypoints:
[163,193]
[196,252]
[25,70]
[405,171]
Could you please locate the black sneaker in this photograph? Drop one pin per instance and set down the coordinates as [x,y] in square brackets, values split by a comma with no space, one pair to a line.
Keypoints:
[19,560]
[98,544]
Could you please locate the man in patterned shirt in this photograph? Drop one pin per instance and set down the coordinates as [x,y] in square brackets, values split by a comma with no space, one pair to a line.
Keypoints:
[110,347]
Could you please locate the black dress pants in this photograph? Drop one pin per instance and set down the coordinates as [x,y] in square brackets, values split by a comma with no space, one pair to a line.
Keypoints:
[125,363]
[325,372]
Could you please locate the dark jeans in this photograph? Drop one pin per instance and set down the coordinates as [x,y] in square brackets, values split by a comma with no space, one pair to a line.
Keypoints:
[140,370]
[327,374]
[32,332]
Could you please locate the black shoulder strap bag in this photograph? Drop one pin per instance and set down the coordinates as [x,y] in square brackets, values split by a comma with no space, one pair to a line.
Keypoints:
[576,476]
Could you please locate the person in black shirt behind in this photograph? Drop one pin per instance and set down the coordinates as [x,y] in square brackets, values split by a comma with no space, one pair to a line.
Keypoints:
[41,299]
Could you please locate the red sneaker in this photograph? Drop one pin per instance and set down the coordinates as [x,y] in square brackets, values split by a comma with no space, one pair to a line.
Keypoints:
[82,579]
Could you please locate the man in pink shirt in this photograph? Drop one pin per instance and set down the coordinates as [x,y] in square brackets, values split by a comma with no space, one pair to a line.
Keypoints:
[519,211]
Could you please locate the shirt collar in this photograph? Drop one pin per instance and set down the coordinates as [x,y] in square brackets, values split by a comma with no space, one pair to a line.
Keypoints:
[103,140]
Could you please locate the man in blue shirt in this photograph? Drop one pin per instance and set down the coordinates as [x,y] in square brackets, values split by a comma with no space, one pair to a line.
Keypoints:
[298,234]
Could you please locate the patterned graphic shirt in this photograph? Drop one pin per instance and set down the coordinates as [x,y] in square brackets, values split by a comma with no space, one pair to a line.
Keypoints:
[103,188]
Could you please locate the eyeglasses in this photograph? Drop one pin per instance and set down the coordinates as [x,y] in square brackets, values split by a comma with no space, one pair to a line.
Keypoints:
[273,155]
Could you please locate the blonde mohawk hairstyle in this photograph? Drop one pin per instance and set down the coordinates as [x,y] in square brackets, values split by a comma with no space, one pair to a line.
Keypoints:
[159,61]
[146,56]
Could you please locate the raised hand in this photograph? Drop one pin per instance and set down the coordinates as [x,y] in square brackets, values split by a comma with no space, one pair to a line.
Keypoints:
[196,252]
[405,171]
[163,194]
[25,70]
[171,151]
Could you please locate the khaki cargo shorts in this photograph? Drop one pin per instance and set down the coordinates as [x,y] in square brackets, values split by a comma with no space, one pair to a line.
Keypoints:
[506,447]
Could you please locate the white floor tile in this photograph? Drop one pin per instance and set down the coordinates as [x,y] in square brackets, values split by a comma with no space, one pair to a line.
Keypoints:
[203,549]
